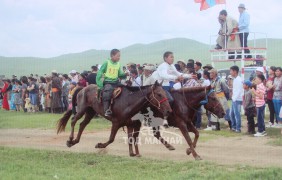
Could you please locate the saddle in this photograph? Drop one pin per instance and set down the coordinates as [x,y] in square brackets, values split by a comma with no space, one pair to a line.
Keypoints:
[116,94]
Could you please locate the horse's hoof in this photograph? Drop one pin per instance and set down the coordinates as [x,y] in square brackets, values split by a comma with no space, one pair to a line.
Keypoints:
[132,155]
[99,145]
[188,151]
[198,158]
[138,155]
[171,148]
[69,144]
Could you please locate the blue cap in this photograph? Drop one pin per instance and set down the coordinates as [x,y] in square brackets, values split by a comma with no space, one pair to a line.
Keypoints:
[74,83]
[248,83]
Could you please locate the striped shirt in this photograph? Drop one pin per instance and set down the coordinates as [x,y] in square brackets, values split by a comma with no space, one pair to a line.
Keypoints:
[260,90]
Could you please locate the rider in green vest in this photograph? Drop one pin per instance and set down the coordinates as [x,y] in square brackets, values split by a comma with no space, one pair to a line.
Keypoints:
[108,78]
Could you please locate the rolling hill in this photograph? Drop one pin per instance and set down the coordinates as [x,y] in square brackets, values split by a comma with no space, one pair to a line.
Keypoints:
[137,53]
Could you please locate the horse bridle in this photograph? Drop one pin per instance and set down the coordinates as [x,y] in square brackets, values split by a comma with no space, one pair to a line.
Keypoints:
[153,97]
[203,102]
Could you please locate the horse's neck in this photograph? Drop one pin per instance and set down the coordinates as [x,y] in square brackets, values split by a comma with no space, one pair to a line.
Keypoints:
[136,100]
[195,98]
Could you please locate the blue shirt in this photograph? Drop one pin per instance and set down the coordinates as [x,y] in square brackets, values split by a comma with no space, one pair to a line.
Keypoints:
[244,22]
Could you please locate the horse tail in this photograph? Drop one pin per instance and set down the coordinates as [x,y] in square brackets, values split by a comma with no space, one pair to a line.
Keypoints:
[61,125]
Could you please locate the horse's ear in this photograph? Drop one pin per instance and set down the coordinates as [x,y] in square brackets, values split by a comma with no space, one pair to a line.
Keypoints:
[161,83]
[156,83]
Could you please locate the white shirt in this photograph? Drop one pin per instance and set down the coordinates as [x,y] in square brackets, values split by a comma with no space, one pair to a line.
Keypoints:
[238,91]
[206,82]
[74,78]
[136,82]
[166,73]
[148,80]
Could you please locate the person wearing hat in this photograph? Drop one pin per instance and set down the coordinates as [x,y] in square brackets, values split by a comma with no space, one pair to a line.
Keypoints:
[249,106]
[182,65]
[74,75]
[112,71]
[207,67]
[232,39]
[220,87]
[147,78]
[243,25]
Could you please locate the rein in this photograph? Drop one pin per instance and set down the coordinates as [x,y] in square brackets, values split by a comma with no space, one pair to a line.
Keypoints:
[153,97]
[203,102]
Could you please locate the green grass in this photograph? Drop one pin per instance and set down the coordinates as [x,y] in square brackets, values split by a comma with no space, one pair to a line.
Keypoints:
[38,164]
[276,136]
[21,120]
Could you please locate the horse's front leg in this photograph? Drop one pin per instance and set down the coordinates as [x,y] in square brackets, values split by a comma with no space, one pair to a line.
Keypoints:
[114,129]
[192,128]
[136,128]
[130,140]
[157,135]
[183,128]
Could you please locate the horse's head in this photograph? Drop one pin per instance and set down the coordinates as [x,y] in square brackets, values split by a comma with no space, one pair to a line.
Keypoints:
[158,98]
[212,103]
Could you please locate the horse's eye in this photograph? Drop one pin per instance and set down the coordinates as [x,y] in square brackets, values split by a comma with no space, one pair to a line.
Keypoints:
[159,95]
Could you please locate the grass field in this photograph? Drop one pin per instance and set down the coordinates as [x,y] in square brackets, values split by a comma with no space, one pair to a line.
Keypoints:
[20,163]
[21,120]
[40,164]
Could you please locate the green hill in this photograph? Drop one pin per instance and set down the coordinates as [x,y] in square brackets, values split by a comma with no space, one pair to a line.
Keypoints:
[137,53]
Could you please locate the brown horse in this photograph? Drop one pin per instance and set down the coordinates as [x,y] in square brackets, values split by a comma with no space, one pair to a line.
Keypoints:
[186,103]
[130,102]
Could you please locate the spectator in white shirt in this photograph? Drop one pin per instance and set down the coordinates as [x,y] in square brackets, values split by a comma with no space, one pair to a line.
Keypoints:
[136,80]
[74,76]
[237,98]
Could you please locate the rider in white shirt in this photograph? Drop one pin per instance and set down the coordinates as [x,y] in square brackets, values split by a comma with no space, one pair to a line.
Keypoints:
[167,73]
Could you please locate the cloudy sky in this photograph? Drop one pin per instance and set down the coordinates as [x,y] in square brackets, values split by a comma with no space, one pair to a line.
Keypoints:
[47,28]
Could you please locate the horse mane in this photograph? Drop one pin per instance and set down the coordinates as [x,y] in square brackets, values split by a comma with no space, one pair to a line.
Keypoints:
[192,89]
[135,89]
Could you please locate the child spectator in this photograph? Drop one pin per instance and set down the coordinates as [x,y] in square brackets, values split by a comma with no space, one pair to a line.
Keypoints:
[27,105]
[249,107]
[260,104]
[17,95]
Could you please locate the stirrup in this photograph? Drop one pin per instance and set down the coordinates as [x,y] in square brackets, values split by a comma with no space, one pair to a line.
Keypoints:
[108,112]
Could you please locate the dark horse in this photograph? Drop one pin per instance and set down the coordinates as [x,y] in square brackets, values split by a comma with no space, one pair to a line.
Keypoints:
[130,102]
[186,103]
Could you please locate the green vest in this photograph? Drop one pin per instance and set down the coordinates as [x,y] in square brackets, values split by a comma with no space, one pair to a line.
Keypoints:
[112,70]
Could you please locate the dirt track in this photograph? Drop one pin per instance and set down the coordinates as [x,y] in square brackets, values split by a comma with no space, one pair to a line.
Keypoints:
[243,150]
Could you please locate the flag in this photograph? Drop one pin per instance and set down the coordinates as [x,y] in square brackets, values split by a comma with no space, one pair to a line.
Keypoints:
[205,4]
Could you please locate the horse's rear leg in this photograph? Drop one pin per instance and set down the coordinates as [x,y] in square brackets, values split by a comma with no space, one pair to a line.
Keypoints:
[74,120]
[183,128]
[157,135]
[88,116]
[130,140]
[115,127]
[192,128]
[136,128]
